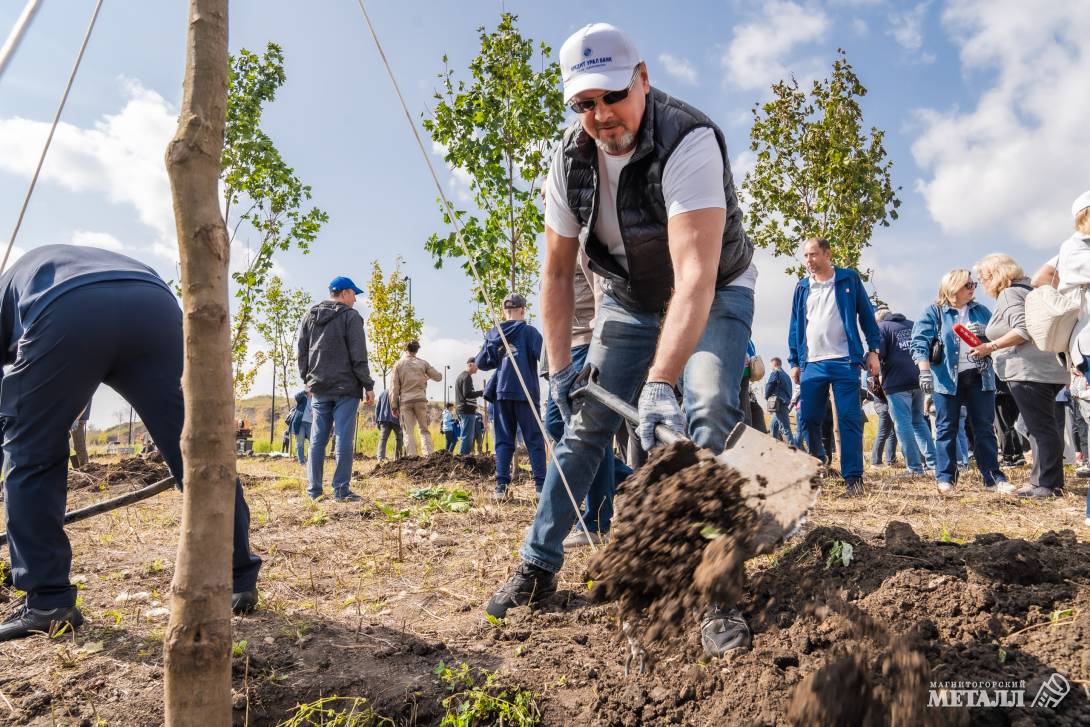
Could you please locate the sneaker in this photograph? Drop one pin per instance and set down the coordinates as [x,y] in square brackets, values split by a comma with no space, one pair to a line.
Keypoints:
[1001,486]
[945,488]
[724,630]
[348,496]
[1038,493]
[529,584]
[581,538]
[315,497]
[243,602]
[1083,471]
[500,495]
[27,621]
[854,488]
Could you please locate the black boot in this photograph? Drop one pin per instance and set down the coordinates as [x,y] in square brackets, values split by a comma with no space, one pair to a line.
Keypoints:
[529,584]
[243,602]
[27,621]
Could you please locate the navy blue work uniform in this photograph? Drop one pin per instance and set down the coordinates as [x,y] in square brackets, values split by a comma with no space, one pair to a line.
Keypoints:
[72,318]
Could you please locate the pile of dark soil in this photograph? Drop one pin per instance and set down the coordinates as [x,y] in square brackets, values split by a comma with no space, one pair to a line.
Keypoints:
[439,467]
[131,470]
[873,641]
[678,544]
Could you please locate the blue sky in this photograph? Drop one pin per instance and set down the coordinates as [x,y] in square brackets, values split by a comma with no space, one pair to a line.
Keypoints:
[984,105]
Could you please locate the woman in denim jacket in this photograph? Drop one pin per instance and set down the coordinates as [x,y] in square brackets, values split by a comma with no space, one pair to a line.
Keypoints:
[962,379]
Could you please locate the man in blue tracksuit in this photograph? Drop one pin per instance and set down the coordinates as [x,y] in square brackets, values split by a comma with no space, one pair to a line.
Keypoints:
[778,385]
[72,318]
[512,410]
[829,308]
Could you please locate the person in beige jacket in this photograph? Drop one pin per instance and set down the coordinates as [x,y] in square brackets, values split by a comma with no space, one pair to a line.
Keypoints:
[409,398]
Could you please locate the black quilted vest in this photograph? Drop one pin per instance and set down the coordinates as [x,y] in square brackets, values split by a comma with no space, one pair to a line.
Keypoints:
[641,209]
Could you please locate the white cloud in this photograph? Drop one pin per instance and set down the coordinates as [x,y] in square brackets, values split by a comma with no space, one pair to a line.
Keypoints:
[759,50]
[678,67]
[906,26]
[859,27]
[459,177]
[120,155]
[97,239]
[1011,166]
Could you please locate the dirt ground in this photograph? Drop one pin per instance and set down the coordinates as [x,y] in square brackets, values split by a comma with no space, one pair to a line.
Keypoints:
[876,599]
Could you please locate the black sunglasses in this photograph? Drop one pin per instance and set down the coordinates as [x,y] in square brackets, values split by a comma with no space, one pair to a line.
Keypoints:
[609,98]
[971,285]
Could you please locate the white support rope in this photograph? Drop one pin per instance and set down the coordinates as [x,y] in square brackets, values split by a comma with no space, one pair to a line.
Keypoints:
[49,139]
[473,268]
[17,32]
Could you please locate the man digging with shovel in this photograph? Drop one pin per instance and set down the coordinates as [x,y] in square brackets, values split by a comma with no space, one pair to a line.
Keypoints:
[643,184]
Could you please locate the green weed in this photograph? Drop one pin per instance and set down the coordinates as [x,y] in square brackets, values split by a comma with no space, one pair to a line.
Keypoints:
[477,699]
[440,498]
[337,712]
[840,554]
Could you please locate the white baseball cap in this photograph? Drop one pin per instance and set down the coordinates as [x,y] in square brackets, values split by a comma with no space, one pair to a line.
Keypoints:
[1081,202]
[597,56]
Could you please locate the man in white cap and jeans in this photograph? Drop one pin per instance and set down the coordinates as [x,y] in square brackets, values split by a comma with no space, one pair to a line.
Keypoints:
[642,184]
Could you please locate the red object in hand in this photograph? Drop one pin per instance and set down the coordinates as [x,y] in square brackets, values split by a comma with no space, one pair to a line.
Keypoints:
[966,335]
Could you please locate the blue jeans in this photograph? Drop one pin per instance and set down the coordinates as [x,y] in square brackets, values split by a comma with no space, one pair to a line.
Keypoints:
[980,406]
[781,423]
[339,414]
[621,350]
[451,440]
[469,432]
[885,441]
[302,434]
[842,377]
[906,408]
[598,506]
[963,440]
[517,417]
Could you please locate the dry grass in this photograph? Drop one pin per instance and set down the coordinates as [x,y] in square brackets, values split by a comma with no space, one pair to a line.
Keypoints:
[349,570]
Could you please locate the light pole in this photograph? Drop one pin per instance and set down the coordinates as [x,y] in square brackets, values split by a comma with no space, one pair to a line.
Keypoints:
[446,397]
[409,282]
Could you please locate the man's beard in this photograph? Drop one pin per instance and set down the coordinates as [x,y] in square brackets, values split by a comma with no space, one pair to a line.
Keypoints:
[620,145]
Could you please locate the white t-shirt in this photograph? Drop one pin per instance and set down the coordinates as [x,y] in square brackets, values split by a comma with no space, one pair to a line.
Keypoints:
[692,180]
[964,362]
[1073,263]
[825,334]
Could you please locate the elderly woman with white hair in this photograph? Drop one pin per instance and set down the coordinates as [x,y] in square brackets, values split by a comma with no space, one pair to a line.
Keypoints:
[956,378]
[1035,377]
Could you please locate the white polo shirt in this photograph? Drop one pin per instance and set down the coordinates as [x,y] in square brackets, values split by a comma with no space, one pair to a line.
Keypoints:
[825,335]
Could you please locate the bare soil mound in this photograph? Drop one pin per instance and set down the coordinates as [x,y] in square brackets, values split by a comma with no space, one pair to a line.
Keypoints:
[129,471]
[439,467]
[864,639]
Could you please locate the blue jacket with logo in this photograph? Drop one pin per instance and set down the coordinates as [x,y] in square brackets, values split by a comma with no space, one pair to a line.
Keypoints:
[856,312]
[504,384]
[899,373]
[935,323]
[779,385]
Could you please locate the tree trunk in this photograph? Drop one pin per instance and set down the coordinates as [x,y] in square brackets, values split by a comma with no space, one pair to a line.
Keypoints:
[197,647]
[79,443]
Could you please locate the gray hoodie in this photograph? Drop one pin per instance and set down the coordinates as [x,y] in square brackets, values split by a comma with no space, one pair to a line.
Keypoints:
[332,351]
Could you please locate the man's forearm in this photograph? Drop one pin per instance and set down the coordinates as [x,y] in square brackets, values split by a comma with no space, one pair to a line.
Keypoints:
[681,331]
[557,309]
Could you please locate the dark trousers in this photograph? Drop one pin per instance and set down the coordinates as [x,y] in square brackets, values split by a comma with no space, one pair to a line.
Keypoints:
[1044,418]
[1006,414]
[980,409]
[842,377]
[512,416]
[385,430]
[127,335]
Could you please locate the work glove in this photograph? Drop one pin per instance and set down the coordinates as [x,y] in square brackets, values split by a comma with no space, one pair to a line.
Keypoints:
[560,385]
[658,405]
[927,383]
[977,329]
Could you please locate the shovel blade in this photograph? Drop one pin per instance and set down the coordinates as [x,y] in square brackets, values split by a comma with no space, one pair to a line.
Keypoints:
[781,483]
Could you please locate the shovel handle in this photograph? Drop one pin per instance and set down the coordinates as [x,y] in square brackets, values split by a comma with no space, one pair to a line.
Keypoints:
[587,383]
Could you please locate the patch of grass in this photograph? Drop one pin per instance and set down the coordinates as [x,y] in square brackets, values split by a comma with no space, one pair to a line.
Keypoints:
[337,712]
[440,498]
[288,484]
[947,537]
[477,698]
[238,648]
